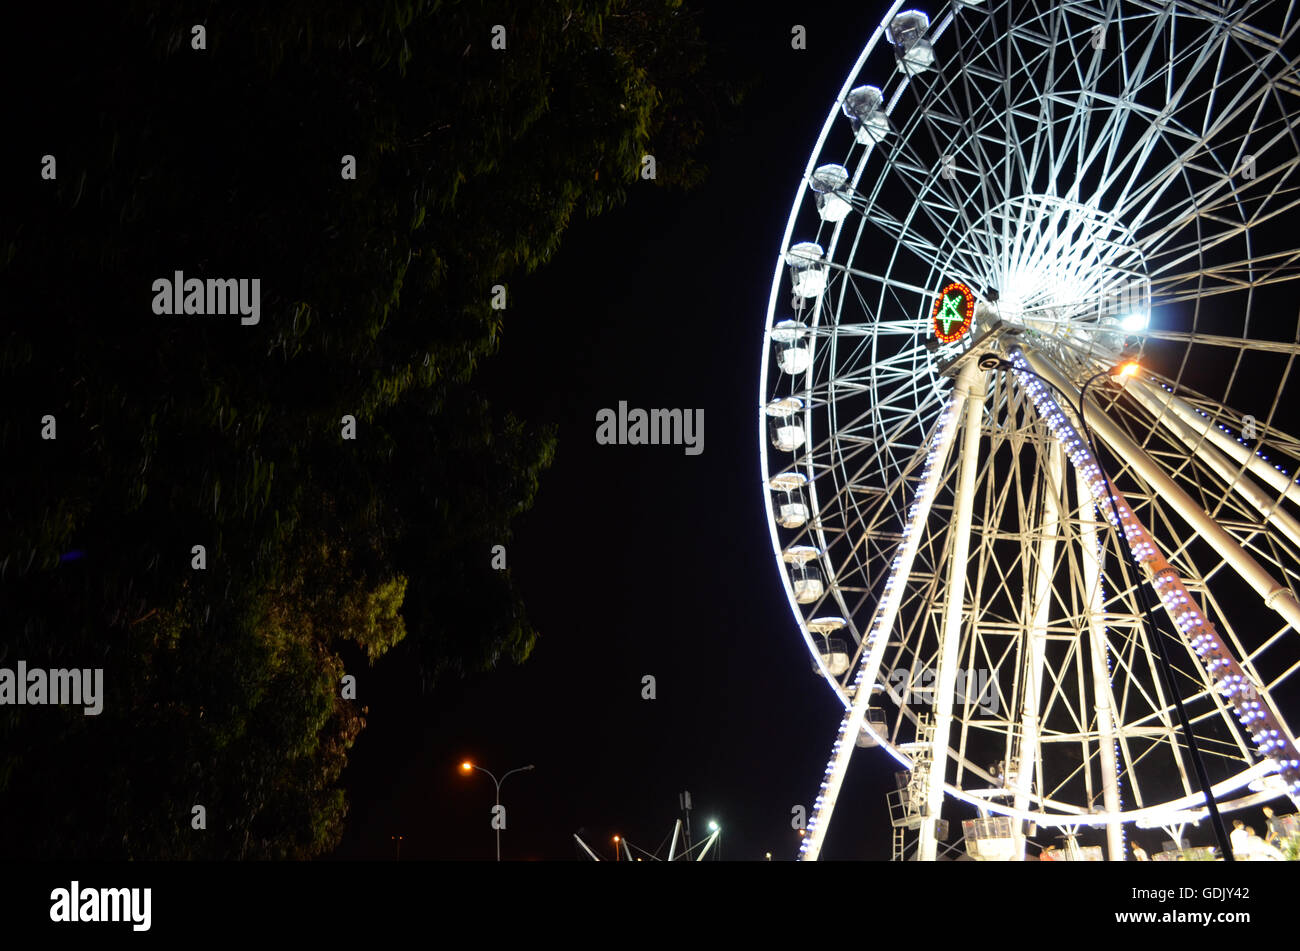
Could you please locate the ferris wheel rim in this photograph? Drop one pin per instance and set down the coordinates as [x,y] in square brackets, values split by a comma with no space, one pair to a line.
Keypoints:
[843,693]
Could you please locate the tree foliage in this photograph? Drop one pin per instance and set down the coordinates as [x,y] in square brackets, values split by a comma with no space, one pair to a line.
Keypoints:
[223,684]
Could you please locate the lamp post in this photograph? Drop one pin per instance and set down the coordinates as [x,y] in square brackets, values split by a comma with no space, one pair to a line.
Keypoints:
[990,361]
[467,766]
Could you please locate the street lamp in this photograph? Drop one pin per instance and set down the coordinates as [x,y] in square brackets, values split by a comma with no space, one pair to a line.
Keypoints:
[991,361]
[466,767]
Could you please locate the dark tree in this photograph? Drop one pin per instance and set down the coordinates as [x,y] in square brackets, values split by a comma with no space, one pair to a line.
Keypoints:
[222,685]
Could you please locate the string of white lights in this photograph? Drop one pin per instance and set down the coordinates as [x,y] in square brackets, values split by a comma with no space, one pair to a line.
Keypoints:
[1260,721]
[890,598]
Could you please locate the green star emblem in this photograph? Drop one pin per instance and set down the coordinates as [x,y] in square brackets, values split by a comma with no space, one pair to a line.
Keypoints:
[948,312]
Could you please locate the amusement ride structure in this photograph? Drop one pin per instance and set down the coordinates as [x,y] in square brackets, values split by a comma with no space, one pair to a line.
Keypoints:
[1027,381]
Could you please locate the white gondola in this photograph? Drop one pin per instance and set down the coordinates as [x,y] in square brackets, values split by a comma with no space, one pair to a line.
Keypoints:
[808,272]
[805,577]
[907,32]
[830,183]
[788,500]
[990,839]
[865,107]
[790,338]
[836,657]
[786,423]
[875,719]
[834,652]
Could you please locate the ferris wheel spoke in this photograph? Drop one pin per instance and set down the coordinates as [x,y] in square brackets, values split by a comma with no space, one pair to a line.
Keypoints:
[1140,203]
[884,282]
[878,458]
[1227,278]
[1163,121]
[1162,256]
[875,328]
[902,232]
[945,122]
[975,101]
[1107,140]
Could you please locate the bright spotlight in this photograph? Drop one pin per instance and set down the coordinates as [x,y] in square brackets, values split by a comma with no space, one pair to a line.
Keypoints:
[713,826]
[1132,323]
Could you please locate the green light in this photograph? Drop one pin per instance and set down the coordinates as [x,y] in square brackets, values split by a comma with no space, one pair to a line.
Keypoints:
[948,315]
[952,313]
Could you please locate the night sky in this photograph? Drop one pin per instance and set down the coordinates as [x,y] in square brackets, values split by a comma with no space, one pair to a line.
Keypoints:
[641,559]
[644,560]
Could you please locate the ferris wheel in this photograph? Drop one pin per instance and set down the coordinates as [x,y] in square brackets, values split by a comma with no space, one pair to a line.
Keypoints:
[1018,214]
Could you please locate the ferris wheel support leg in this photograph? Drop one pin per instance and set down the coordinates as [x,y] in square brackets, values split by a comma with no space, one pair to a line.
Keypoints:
[1250,701]
[1190,437]
[1275,595]
[1101,690]
[1028,764]
[970,385]
[877,638]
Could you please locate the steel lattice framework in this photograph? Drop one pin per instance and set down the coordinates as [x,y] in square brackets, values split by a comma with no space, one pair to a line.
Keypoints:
[1111,180]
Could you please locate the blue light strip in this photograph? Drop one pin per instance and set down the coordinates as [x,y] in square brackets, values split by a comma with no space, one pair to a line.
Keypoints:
[1197,630]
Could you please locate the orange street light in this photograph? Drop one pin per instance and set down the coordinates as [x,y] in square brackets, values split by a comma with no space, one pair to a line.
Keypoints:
[467,766]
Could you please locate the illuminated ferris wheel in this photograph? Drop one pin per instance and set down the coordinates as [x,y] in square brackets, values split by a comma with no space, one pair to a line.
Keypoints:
[1018,213]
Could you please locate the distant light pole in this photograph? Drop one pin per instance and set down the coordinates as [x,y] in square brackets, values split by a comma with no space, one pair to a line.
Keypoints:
[467,766]
[398,840]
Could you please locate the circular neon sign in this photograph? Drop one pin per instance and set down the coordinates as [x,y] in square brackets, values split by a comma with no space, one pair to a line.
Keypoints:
[953,310]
